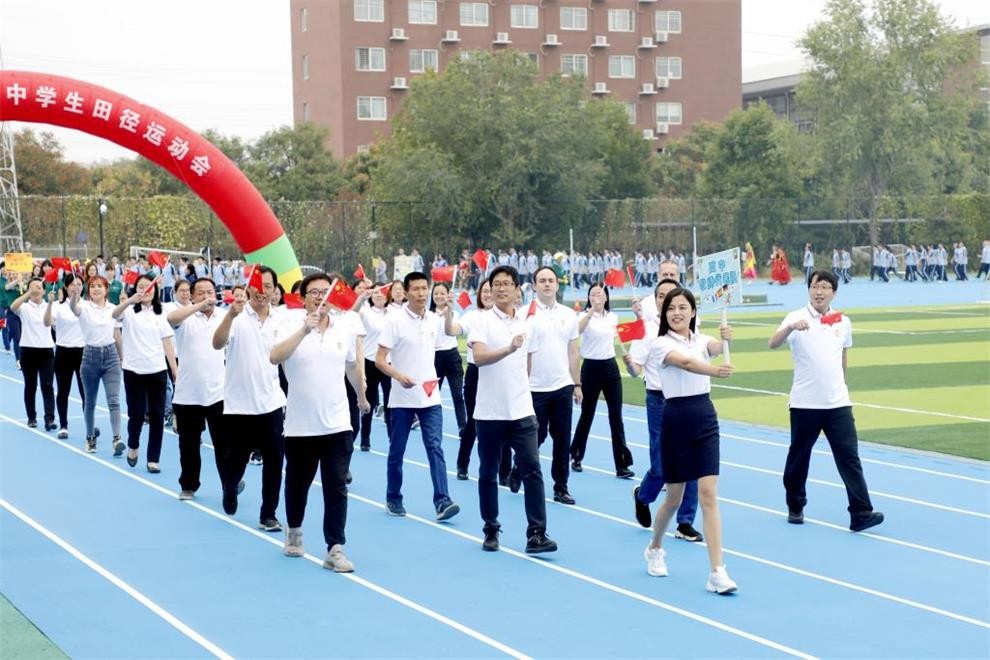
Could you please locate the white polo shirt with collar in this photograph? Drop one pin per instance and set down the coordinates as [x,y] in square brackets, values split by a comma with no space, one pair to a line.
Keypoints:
[819,381]
[68,331]
[411,341]
[676,382]
[97,323]
[503,387]
[201,371]
[34,332]
[642,351]
[251,385]
[142,333]
[374,323]
[553,328]
[317,402]
[598,338]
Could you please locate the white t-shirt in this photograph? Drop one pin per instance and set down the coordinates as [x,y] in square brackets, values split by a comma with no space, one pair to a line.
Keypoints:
[143,334]
[598,338]
[817,352]
[374,322]
[648,309]
[34,332]
[317,403]
[444,341]
[466,322]
[643,352]
[251,385]
[553,329]
[201,371]
[676,382]
[411,341]
[97,323]
[503,387]
[68,332]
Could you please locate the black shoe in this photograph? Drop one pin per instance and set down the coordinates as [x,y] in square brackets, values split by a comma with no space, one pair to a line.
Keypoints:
[132,461]
[515,483]
[462,475]
[625,473]
[503,481]
[540,542]
[365,447]
[349,478]
[490,544]
[687,532]
[576,466]
[50,426]
[230,503]
[32,423]
[795,516]
[563,497]
[643,516]
[872,519]
[270,525]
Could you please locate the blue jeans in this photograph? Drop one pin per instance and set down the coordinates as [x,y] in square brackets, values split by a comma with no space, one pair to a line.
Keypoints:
[101,363]
[431,425]
[653,481]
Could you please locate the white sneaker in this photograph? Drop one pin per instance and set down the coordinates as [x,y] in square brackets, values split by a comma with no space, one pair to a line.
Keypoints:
[719,582]
[655,564]
[337,561]
[294,542]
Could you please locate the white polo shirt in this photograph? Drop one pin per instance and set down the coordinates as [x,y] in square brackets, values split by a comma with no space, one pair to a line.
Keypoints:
[466,322]
[503,387]
[34,332]
[411,341]
[817,352]
[445,342]
[374,322]
[201,372]
[553,329]
[143,334]
[643,352]
[674,381]
[598,338]
[68,332]
[648,308]
[251,384]
[97,323]
[317,403]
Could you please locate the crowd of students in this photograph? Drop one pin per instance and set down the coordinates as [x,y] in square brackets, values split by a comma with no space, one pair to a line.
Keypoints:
[302,383]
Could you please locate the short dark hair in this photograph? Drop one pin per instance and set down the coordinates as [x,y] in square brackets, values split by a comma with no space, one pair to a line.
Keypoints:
[213,284]
[413,276]
[266,269]
[665,280]
[183,282]
[824,276]
[542,268]
[679,291]
[309,279]
[507,270]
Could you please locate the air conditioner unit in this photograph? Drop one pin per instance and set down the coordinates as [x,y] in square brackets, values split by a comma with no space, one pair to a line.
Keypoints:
[399,34]
[551,40]
[647,42]
[399,83]
[647,88]
[648,134]
[663,128]
[451,35]
[663,82]
[660,37]
[601,41]
[502,38]
[601,88]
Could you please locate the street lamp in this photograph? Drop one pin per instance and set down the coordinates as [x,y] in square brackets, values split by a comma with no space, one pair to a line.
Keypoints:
[103,215]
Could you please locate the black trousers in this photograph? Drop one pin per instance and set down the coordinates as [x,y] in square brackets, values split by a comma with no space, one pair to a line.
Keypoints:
[352,409]
[449,366]
[245,433]
[68,361]
[840,430]
[520,434]
[553,415]
[597,377]
[332,454]
[469,432]
[38,366]
[192,421]
[375,378]
[146,394]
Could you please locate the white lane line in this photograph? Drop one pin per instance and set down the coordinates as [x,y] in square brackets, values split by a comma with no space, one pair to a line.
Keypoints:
[422,609]
[155,608]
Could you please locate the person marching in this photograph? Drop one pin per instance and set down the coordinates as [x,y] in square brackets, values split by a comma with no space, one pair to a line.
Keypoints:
[504,411]
[600,374]
[37,358]
[373,316]
[198,397]
[819,339]
[69,345]
[638,363]
[410,337]
[316,359]
[252,397]
[689,428]
[448,359]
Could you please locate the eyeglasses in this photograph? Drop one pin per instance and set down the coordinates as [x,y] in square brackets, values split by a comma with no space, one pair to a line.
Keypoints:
[317,293]
[503,284]
[821,286]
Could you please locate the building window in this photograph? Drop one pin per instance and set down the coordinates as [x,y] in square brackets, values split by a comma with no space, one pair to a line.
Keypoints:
[369,10]
[303,20]
[421,60]
[305,111]
[631,112]
[621,66]
[524,16]
[669,113]
[305,67]
[423,12]
[371,108]
[534,58]
[669,67]
[573,18]
[474,14]
[667,21]
[369,59]
[574,65]
[620,20]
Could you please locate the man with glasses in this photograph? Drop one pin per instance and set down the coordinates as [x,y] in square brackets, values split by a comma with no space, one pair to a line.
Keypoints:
[819,338]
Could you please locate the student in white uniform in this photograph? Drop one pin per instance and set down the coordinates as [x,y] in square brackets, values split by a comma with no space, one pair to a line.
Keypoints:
[448,357]
[37,361]
[69,345]
[373,316]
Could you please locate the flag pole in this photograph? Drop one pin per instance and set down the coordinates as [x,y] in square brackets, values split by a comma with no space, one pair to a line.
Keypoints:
[725,322]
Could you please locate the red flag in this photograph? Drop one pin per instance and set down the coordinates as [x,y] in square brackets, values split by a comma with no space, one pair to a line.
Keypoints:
[359,273]
[386,290]
[254,277]
[831,319]
[442,274]
[630,331]
[577,306]
[293,301]
[3,323]
[51,276]
[228,297]
[532,309]
[130,277]
[341,295]
[615,278]
[480,258]
[629,271]
[62,263]
[429,386]
[156,258]
[464,300]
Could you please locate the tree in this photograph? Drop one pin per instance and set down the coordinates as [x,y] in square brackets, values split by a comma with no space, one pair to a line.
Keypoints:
[677,171]
[42,168]
[293,163]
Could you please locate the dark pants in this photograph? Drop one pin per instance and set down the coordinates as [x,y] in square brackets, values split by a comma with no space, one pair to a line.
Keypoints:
[597,377]
[332,453]
[520,434]
[448,365]
[192,421]
[468,433]
[553,415]
[12,333]
[375,378]
[68,361]
[245,433]
[38,365]
[984,269]
[146,394]
[840,429]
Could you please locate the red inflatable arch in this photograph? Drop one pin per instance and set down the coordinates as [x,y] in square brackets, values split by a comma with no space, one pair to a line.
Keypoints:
[36,97]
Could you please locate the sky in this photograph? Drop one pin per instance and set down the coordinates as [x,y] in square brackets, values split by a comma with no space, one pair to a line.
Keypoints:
[226,64]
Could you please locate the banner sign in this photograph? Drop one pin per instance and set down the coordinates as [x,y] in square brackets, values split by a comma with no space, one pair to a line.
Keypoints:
[717,278]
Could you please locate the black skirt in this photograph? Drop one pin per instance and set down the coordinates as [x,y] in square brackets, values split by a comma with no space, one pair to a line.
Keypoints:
[689,439]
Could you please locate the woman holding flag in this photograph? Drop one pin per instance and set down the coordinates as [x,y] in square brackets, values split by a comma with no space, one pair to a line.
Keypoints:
[69,345]
[37,360]
[374,315]
[448,357]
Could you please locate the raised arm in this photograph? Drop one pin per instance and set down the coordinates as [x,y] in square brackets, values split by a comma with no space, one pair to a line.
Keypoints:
[781,335]
[696,366]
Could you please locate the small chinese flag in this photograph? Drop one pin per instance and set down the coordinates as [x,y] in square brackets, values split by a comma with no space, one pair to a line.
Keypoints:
[51,276]
[615,278]
[429,386]
[386,290]
[341,295]
[629,272]
[3,323]
[532,309]
[130,277]
[629,331]
[156,258]
[577,306]
[228,297]
[480,258]
[464,300]
[62,263]
[831,319]
[293,301]
[359,273]
[254,278]
[442,274]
